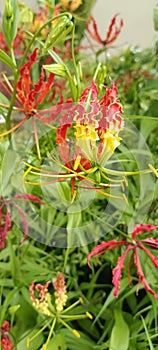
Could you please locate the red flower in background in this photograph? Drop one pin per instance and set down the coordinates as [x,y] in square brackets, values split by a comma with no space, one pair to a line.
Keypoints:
[29,94]
[112,33]
[18,43]
[5,342]
[133,245]
[5,215]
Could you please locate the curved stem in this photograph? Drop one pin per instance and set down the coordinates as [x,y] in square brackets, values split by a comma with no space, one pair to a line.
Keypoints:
[78,92]
[8,117]
[38,32]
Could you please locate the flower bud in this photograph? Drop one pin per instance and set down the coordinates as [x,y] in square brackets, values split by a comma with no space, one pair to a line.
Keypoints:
[56,68]
[13,309]
[8,10]
[101,74]
[9,23]
[97,176]
[58,33]
[79,69]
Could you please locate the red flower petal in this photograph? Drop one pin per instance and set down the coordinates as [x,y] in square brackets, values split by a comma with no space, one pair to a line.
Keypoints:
[24,220]
[141,276]
[94,34]
[153,242]
[113,31]
[117,271]
[29,197]
[153,258]
[104,246]
[4,230]
[142,227]
[93,89]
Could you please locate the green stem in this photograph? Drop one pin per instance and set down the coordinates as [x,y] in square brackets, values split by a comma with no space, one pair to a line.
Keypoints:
[70,307]
[78,92]
[90,92]
[12,55]
[16,75]
[66,257]
[57,59]
[51,331]
[8,117]
[38,32]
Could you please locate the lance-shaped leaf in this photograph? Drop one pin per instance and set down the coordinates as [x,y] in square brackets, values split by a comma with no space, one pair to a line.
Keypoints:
[7,60]
[120,333]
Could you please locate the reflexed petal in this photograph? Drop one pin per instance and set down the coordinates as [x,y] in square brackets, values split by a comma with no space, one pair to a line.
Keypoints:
[117,271]
[93,89]
[153,258]
[94,34]
[4,229]
[141,276]
[30,197]
[153,242]
[142,227]
[103,247]
[113,31]
[24,220]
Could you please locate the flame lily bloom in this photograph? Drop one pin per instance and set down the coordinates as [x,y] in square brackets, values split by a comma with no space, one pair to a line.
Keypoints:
[5,215]
[55,313]
[96,123]
[97,130]
[31,95]
[18,43]
[28,93]
[133,245]
[112,33]
[5,341]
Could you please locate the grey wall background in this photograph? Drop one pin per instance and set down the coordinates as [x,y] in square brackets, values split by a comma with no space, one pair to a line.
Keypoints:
[138,19]
[137,15]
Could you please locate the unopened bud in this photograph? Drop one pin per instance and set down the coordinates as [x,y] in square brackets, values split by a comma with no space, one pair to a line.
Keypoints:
[97,176]
[13,309]
[9,23]
[56,68]
[58,33]
[8,10]
[101,74]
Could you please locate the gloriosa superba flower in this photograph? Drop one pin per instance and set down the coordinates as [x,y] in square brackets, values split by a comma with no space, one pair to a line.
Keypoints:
[133,246]
[54,312]
[86,138]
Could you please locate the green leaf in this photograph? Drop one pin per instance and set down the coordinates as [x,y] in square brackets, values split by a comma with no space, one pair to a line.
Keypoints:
[8,166]
[7,60]
[74,220]
[34,344]
[110,299]
[57,342]
[84,342]
[120,333]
